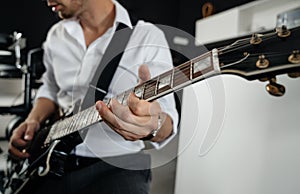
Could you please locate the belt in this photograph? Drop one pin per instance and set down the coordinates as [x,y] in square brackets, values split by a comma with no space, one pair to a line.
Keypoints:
[74,162]
[136,161]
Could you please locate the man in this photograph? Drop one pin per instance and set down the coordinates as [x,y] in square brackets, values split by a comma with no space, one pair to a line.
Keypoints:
[72,51]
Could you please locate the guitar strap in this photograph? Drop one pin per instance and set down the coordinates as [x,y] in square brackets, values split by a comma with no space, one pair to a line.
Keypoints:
[107,67]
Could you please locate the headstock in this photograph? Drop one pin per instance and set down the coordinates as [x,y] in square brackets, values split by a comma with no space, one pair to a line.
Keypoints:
[262,56]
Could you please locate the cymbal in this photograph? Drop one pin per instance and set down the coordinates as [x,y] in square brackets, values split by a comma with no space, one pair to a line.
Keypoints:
[7,67]
[5,53]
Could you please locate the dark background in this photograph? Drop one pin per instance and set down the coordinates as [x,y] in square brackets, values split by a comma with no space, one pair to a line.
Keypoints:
[33,18]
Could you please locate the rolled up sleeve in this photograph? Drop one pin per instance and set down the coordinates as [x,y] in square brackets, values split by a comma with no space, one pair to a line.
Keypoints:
[49,89]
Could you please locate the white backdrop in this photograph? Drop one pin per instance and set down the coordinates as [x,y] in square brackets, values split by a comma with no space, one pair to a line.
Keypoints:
[258,136]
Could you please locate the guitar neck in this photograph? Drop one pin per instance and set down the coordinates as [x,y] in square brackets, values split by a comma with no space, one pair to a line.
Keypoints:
[192,71]
[259,56]
[179,77]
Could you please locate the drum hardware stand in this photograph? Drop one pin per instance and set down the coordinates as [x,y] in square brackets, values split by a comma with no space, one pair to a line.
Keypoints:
[21,110]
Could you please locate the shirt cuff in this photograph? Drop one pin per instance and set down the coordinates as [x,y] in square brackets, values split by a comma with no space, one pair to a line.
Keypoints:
[172,112]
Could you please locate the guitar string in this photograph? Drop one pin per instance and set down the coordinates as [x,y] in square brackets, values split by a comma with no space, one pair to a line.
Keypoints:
[244,43]
[253,57]
[247,40]
[72,126]
[222,50]
[186,67]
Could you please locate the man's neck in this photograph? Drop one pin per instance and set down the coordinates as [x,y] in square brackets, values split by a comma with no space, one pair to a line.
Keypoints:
[98,18]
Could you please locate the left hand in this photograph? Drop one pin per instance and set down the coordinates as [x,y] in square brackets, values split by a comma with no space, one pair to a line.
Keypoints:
[136,120]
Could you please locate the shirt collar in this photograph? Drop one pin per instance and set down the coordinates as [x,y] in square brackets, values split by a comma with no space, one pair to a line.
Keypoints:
[122,15]
[74,29]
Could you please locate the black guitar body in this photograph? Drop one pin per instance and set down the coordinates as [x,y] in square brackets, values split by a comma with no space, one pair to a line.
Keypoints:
[45,159]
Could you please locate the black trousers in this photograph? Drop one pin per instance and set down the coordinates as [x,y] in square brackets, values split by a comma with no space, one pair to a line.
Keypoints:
[128,174]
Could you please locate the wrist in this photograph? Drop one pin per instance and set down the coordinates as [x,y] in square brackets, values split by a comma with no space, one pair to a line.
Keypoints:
[155,131]
[31,121]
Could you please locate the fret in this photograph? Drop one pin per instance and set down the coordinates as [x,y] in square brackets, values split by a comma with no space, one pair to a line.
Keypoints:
[92,113]
[165,82]
[181,74]
[156,85]
[86,113]
[172,78]
[68,125]
[201,65]
[73,123]
[139,91]
[64,123]
[55,135]
[191,70]
[107,101]
[80,120]
[90,116]
[126,95]
[55,129]
[205,65]
[149,89]
[120,98]
[96,116]
[67,128]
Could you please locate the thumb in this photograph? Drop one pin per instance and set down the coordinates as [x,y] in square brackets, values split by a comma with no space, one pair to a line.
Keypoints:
[144,73]
[32,127]
[29,134]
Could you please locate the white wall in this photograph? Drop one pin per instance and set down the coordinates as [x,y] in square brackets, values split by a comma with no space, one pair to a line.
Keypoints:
[252,17]
[11,93]
[258,136]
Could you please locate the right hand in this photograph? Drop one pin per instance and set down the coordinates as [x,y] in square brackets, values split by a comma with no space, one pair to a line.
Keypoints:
[21,137]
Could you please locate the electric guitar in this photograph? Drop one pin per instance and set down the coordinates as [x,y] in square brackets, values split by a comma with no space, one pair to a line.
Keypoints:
[260,56]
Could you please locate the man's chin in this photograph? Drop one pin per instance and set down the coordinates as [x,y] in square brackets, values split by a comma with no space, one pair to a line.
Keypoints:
[64,16]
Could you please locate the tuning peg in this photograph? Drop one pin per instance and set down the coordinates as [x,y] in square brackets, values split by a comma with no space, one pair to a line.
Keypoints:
[255,39]
[294,57]
[262,62]
[274,88]
[294,74]
[283,31]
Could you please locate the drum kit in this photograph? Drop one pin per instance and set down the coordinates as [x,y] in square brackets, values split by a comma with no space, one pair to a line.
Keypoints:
[10,55]
[16,62]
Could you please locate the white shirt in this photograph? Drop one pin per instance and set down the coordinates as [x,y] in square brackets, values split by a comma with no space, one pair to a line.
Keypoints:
[70,66]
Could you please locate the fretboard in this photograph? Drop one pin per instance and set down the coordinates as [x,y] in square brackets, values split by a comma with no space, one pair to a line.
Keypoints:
[192,71]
